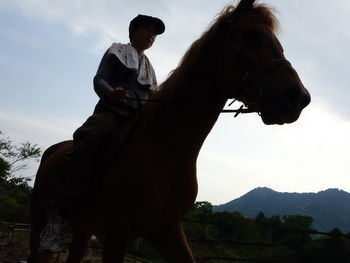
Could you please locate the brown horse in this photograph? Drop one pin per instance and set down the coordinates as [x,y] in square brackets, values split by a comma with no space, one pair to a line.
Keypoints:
[150,183]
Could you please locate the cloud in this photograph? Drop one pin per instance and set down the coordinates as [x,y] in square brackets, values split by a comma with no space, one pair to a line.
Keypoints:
[315,34]
[45,130]
[311,151]
[29,38]
[81,17]
[3,58]
[316,38]
[42,130]
[108,21]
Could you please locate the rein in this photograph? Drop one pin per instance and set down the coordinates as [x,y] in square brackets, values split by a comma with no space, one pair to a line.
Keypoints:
[238,111]
[250,86]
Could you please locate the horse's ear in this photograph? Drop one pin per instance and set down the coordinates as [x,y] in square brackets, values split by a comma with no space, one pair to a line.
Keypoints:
[244,6]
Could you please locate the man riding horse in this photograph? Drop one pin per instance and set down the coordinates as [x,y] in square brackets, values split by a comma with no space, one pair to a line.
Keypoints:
[239,57]
[124,79]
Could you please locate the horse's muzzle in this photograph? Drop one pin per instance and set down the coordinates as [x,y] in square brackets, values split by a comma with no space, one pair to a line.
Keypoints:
[287,109]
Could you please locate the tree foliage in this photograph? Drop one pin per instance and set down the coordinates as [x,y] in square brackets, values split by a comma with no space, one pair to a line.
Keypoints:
[280,238]
[267,239]
[14,157]
[14,189]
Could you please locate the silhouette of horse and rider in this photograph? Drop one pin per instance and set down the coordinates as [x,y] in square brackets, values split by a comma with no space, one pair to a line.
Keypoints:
[143,175]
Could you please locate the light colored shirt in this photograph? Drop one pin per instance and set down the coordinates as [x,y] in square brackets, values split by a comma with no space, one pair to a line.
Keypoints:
[128,55]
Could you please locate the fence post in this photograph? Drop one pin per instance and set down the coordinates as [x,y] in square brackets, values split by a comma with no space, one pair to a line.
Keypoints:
[206,244]
[137,248]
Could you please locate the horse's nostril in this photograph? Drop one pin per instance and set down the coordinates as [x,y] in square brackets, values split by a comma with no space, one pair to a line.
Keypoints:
[296,96]
[292,96]
[306,99]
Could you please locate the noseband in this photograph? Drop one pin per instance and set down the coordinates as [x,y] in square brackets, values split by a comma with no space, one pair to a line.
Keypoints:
[250,82]
[251,92]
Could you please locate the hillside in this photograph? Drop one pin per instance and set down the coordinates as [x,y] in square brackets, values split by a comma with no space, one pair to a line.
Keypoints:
[329,208]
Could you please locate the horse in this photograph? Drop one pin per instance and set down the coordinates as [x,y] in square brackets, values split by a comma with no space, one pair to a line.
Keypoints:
[150,183]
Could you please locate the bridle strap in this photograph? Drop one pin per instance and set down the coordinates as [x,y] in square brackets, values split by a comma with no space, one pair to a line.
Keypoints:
[250,83]
[248,79]
[275,62]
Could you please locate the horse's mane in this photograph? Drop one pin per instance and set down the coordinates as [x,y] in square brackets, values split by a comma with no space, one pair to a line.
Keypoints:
[226,18]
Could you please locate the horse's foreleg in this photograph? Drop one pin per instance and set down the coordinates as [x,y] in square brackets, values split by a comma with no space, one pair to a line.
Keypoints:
[79,247]
[34,241]
[172,243]
[115,243]
[42,257]
[38,221]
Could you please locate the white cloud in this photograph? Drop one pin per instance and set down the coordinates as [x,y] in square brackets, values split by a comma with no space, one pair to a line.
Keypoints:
[309,155]
[25,37]
[3,58]
[315,34]
[44,130]
[41,130]
[316,38]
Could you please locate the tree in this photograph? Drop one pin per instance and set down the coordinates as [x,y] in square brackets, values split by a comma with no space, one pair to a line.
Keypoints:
[297,230]
[197,218]
[14,190]
[299,222]
[4,169]
[337,247]
[232,225]
[13,159]
[200,212]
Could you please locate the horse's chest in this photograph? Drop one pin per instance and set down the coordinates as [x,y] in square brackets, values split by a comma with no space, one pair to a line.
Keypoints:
[153,189]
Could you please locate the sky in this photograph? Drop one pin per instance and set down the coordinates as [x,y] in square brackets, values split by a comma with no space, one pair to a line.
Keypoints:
[50,51]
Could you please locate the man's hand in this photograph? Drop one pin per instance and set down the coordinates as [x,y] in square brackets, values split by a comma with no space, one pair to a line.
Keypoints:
[117,95]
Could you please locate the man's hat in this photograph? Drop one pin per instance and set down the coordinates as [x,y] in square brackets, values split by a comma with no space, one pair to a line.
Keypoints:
[146,20]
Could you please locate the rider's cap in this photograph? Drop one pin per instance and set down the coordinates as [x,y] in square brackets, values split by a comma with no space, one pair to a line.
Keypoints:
[146,20]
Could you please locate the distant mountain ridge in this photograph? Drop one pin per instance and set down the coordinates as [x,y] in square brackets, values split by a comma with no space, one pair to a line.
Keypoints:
[329,208]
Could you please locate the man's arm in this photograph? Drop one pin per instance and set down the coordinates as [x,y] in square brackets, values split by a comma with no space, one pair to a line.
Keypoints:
[104,73]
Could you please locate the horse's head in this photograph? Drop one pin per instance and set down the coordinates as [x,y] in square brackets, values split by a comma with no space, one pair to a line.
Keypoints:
[250,54]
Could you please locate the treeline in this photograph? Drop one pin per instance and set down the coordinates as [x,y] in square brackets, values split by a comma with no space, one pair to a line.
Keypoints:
[213,236]
[14,190]
[14,201]
[288,238]
[218,237]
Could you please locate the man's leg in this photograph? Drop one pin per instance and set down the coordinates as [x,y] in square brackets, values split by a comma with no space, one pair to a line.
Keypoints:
[75,176]
[65,198]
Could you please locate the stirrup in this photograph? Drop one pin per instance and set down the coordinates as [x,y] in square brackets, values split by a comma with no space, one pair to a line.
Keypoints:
[52,234]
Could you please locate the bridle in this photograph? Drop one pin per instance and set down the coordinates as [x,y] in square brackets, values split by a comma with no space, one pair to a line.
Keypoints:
[250,85]
[251,92]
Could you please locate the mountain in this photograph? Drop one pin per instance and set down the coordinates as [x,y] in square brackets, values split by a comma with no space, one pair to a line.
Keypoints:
[329,208]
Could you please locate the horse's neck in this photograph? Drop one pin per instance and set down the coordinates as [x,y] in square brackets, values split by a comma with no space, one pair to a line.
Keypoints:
[187,115]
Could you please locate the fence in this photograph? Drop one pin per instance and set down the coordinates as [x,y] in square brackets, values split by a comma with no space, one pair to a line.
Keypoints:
[8,231]
[11,227]
[137,254]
